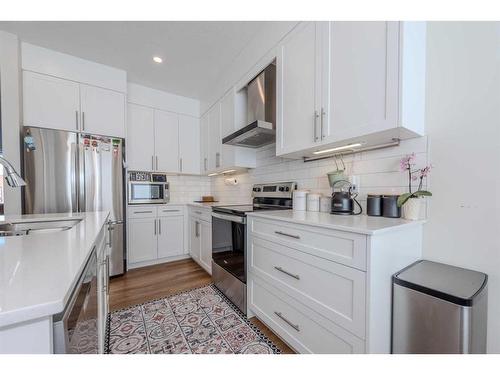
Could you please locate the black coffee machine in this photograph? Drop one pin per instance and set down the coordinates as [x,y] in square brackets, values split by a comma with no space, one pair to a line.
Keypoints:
[343,201]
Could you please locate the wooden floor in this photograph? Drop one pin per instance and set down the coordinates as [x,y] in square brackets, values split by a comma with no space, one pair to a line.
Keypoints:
[144,284]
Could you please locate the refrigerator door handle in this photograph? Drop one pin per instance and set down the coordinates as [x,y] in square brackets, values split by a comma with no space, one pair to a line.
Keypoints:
[81,177]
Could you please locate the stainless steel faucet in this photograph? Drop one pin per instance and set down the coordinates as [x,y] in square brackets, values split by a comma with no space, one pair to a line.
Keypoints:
[11,175]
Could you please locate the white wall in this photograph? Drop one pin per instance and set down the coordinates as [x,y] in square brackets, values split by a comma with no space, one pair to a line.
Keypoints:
[463,124]
[10,96]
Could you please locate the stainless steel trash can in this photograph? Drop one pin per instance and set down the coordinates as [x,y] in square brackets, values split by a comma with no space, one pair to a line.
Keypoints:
[438,308]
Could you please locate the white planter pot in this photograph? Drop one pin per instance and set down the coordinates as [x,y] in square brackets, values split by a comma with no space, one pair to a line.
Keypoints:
[411,209]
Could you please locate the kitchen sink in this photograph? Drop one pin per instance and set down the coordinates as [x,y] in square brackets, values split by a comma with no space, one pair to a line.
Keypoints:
[36,227]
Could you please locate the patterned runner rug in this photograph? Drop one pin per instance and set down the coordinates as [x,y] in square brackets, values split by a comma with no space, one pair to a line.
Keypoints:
[201,320]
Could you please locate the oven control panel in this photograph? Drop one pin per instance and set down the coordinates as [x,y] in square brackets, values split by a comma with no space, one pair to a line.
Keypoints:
[282,189]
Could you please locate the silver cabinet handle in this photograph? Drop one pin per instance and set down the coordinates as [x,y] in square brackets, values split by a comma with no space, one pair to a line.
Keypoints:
[321,122]
[180,164]
[157,162]
[294,326]
[76,119]
[287,273]
[198,212]
[170,210]
[83,120]
[155,226]
[287,234]
[205,163]
[152,162]
[196,230]
[142,212]
[159,226]
[217,159]
[315,125]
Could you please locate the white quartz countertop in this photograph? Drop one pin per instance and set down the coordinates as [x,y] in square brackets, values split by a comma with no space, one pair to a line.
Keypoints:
[370,225]
[39,271]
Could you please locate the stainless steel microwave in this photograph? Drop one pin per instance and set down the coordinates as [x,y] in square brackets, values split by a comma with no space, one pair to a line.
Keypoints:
[147,188]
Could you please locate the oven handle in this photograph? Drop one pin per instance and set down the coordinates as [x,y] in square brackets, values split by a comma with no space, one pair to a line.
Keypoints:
[234,218]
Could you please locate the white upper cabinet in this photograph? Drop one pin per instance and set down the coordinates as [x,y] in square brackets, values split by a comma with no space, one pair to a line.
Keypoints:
[228,125]
[103,111]
[349,82]
[162,141]
[166,141]
[189,144]
[57,103]
[204,143]
[140,137]
[50,102]
[360,71]
[215,143]
[297,116]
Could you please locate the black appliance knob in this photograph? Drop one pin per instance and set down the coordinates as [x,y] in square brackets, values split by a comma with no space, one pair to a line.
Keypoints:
[281,188]
[287,189]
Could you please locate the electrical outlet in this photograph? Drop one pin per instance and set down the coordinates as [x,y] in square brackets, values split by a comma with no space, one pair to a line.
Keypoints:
[354,180]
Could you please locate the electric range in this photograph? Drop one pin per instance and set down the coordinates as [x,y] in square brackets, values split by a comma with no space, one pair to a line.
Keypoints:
[229,272]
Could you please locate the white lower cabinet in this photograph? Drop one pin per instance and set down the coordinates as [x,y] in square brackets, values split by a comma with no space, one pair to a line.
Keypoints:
[324,290]
[142,241]
[170,236]
[155,235]
[301,327]
[200,237]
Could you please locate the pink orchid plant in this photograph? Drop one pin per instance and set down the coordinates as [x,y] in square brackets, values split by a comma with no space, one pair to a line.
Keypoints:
[407,164]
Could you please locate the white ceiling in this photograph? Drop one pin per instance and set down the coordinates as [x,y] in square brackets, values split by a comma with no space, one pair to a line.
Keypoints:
[194,54]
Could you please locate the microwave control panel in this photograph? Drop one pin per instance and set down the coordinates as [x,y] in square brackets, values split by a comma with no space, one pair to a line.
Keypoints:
[139,176]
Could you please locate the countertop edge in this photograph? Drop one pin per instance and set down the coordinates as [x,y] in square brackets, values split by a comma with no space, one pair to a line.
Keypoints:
[30,313]
[338,227]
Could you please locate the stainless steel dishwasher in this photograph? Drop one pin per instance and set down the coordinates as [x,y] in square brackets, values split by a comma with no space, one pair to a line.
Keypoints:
[76,328]
[438,308]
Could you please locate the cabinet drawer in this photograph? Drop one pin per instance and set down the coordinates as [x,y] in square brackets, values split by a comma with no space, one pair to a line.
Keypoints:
[202,213]
[341,247]
[299,327]
[136,212]
[170,210]
[335,291]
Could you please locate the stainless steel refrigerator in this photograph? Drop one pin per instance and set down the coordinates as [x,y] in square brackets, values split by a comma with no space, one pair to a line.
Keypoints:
[71,172]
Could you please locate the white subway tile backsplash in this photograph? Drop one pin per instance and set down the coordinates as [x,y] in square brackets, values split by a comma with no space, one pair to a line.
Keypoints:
[378,172]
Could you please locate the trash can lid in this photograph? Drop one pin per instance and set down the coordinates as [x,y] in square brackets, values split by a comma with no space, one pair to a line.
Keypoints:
[453,284]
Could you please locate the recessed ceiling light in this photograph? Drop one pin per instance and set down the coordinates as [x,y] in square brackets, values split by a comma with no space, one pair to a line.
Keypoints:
[157,59]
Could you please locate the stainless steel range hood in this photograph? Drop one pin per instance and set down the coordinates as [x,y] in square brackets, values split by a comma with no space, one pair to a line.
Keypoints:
[261,113]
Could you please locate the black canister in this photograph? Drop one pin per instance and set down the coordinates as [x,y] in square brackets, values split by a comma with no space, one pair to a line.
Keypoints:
[390,206]
[374,205]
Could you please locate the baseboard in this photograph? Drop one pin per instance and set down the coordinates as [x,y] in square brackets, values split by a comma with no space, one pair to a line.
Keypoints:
[131,266]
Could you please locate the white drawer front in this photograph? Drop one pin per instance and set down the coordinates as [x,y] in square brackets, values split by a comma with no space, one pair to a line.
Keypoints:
[137,212]
[342,247]
[201,213]
[296,326]
[335,291]
[170,210]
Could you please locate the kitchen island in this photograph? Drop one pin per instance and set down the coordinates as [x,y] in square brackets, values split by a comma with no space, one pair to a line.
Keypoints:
[39,272]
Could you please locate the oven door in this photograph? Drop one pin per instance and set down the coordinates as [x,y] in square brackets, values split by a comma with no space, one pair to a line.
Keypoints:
[229,244]
[76,331]
[143,193]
